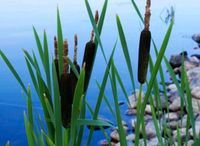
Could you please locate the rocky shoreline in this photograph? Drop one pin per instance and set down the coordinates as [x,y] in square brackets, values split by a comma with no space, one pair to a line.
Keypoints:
[176,117]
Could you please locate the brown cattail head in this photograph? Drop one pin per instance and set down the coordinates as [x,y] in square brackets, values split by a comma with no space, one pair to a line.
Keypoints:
[65,54]
[55,48]
[96,21]
[147,15]
[75,48]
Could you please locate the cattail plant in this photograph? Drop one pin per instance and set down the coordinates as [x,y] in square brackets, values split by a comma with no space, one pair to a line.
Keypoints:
[56,57]
[144,46]
[65,89]
[89,55]
[73,77]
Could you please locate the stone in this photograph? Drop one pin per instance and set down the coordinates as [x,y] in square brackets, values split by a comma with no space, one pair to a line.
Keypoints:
[196,38]
[190,143]
[196,105]
[114,136]
[133,123]
[134,98]
[194,59]
[176,60]
[131,112]
[190,65]
[172,124]
[182,133]
[196,92]
[175,105]
[147,118]
[129,143]
[172,116]
[197,129]
[194,77]
[150,130]
[130,137]
[163,101]
[148,109]
[196,55]
[172,88]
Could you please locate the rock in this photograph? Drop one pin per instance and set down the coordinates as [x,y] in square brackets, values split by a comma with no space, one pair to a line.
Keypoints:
[133,99]
[131,112]
[133,123]
[176,60]
[171,116]
[173,96]
[196,92]
[172,124]
[175,105]
[130,137]
[129,143]
[196,55]
[195,59]
[196,105]
[190,143]
[190,65]
[163,100]
[182,134]
[114,136]
[196,38]
[147,118]
[172,88]
[194,77]
[103,142]
[148,109]
[150,130]
[197,129]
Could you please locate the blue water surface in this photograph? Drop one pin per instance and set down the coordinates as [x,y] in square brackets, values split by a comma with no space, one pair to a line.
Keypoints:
[18,17]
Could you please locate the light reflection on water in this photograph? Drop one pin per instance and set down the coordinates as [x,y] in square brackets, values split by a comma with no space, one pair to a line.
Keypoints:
[17,19]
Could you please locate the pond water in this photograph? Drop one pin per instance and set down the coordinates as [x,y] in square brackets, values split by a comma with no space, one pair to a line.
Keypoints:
[17,19]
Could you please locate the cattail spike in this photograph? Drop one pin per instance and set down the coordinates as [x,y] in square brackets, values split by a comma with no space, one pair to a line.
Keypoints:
[55,48]
[75,48]
[147,15]
[96,16]
[96,21]
[65,55]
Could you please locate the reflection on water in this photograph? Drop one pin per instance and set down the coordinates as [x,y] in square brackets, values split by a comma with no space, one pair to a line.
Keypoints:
[17,19]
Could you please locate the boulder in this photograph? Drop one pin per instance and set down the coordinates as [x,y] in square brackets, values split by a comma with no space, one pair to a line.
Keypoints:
[176,104]
[134,98]
[196,38]
[196,92]
[176,60]
[194,77]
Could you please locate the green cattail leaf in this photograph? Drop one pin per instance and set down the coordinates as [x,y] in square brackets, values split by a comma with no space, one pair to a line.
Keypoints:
[29,131]
[48,139]
[125,50]
[57,109]
[14,72]
[60,43]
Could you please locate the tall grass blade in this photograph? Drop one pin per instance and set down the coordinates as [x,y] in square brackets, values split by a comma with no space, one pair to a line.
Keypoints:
[48,139]
[14,72]
[57,112]
[46,62]
[60,43]
[125,50]
[121,131]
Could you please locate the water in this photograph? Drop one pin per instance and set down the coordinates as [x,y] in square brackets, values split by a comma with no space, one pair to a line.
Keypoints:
[17,19]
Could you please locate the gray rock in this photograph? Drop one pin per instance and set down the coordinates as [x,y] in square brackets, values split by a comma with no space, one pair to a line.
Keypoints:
[194,77]
[130,137]
[114,135]
[134,98]
[196,92]
[190,65]
[148,109]
[175,105]
[196,38]
[176,60]
[190,143]
[150,130]
[163,101]
[196,105]
[129,143]
[172,88]
[182,134]
[131,112]
[171,116]
[197,129]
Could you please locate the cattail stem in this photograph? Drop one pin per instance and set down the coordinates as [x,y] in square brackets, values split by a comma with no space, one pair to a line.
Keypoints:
[147,15]
[75,48]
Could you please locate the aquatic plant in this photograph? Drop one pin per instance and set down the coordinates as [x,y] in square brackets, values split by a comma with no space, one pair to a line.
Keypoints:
[64,103]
